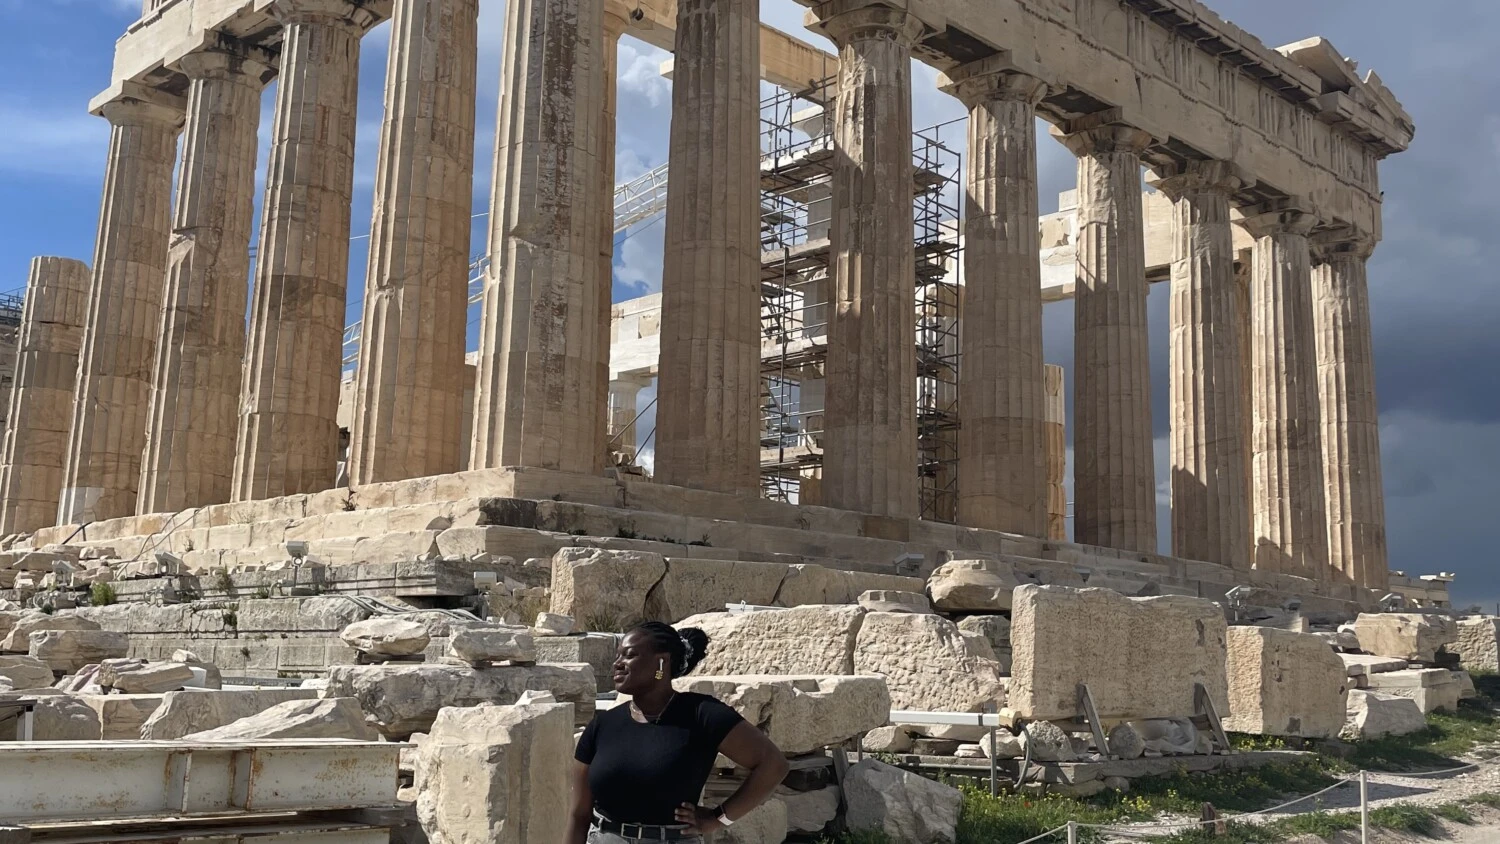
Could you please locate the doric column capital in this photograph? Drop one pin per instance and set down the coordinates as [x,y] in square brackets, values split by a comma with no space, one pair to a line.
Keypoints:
[989,79]
[229,57]
[845,21]
[1102,132]
[129,111]
[357,15]
[1198,176]
[1345,243]
[1282,216]
[616,17]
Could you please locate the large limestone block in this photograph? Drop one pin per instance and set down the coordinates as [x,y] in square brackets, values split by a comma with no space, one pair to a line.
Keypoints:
[927,663]
[801,714]
[1284,684]
[477,645]
[135,677]
[332,717]
[805,584]
[972,586]
[810,811]
[808,640]
[8,620]
[906,806]
[1432,688]
[404,698]
[604,590]
[496,774]
[121,716]
[58,717]
[691,587]
[193,711]
[1141,657]
[69,650]
[386,636]
[890,600]
[994,629]
[1373,715]
[767,823]
[30,621]
[1405,635]
[1478,643]
[1366,664]
[25,672]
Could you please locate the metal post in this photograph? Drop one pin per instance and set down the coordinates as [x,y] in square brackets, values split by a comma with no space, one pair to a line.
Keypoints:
[994,763]
[27,728]
[1072,832]
[1364,809]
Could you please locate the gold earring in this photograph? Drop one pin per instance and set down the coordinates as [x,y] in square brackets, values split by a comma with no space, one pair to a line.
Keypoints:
[661,669]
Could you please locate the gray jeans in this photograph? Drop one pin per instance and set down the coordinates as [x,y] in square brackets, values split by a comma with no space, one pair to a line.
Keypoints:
[597,837]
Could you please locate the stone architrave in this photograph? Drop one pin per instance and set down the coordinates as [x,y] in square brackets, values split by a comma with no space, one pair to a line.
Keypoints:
[41,403]
[288,427]
[540,362]
[1114,474]
[708,390]
[108,429]
[1290,517]
[1002,483]
[200,353]
[1351,418]
[869,417]
[409,383]
[1210,491]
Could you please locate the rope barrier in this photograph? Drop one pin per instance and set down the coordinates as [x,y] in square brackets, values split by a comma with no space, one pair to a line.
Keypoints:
[1048,834]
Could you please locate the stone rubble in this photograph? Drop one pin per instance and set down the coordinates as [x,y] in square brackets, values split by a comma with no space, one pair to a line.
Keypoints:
[325,718]
[1411,636]
[903,805]
[69,650]
[1284,684]
[386,636]
[1478,644]
[405,698]
[801,714]
[1373,715]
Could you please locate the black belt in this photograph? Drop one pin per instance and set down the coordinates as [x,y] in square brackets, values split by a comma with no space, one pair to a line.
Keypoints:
[642,831]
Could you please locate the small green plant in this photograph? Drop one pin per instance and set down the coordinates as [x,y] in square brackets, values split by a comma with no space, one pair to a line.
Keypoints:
[1486,798]
[224,582]
[102,594]
[262,592]
[578,532]
[349,505]
[231,619]
[703,542]
[624,532]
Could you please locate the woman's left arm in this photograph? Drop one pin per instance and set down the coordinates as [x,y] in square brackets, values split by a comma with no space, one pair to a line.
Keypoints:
[749,748]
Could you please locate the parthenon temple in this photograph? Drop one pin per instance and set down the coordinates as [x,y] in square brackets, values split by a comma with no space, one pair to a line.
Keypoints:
[847,345]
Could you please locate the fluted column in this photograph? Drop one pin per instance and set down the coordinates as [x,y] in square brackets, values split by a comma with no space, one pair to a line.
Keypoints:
[869,420]
[288,427]
[1114,475]
[41,399]
[1291,528]
[110,402]
[191,426]
[1210,491]
[409,383]
[1002,467]
[1057,452]
[538,399]
[615,17]
[708,391]
[1350,415]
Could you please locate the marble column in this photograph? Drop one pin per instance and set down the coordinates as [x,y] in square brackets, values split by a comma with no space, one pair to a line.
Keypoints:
[1002,467]
[409,383]
[288,426]
[191,426]
[708,391]
[108,430]
[41,399]
[615,17]
[538,396]
[1114,475]
[1056,429]
[869,418]
[1210,490]
[1350,415]
[1291,527]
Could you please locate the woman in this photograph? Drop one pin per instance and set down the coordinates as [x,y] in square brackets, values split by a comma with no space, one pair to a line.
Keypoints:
[642,766]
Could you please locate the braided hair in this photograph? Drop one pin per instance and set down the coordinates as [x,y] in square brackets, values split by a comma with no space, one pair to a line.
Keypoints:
[684,648]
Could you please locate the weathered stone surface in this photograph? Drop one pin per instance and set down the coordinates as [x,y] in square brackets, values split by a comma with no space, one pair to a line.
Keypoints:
[552,624]
[597,650]
[387,636]
[1372,715]
[1284,684]
[496,774]
[30,621]
[808,640]
[1047,742]
[926,662]
[801,714]
[332,717]
[604,591]
[810,811]
[1413,636]
[1007,746]
[477,645]
[1140,656]
[888,600]
[806,584]
[690,587]
[1356,664]
[25,672]
[69,650]
[192,711]
[135,677]
[905,806]
[122,715]
[972,586]
[1466,688]
[1431,688]
[402,699]
[994,629]
[58,717]
[1125,743]
[888,739]
[767,823]
[1478,644]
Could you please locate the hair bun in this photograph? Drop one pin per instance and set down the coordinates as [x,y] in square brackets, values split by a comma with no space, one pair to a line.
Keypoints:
[697,647]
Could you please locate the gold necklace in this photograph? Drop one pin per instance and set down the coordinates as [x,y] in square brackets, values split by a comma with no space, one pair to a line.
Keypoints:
[657,719]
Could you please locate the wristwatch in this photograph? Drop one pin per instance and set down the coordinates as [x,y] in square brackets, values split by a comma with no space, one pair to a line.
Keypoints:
[722,816]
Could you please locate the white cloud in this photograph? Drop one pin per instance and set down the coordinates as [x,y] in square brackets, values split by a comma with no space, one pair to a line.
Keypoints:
[639,73]
[46,140]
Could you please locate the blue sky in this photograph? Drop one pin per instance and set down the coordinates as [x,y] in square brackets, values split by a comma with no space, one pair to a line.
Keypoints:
[1433,284]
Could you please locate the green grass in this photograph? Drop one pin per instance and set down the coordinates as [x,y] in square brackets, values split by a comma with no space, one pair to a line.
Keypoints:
[1235,791]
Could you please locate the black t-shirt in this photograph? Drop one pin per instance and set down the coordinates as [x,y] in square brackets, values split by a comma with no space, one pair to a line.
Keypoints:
[641,773]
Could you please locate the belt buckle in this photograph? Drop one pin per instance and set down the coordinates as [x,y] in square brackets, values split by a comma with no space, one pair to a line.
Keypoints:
[639,833]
